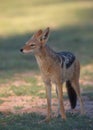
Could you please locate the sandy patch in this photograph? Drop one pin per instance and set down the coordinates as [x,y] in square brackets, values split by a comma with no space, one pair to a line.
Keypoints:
[28,104]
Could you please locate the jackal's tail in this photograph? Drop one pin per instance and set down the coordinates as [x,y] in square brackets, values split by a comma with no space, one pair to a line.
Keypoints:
[71,94]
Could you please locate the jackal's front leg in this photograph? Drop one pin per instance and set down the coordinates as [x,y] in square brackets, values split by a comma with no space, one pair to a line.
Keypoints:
[48,96]
[60,97]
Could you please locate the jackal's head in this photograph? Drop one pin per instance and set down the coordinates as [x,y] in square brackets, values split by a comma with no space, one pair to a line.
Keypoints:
[36,42]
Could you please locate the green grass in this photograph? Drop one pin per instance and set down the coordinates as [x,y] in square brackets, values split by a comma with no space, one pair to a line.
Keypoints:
[30,122]
[18,107]
[32,88]
[89,95]
[1,101]
[24,15]
[26,91]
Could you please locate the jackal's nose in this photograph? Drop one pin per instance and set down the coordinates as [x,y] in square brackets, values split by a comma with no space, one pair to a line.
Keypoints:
[21,50]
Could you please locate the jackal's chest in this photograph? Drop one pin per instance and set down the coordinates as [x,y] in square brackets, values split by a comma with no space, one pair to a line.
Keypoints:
[48,69]
[52,72]
[48,66]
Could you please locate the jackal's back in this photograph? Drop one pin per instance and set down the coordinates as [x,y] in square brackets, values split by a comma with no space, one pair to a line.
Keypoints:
[69,65]
[67,58]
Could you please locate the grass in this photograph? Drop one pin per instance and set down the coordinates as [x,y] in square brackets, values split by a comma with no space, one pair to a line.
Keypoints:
[71,24]
[16,14]
[30,121]
[18,107]
[24,86]
[1,101]
[89,95]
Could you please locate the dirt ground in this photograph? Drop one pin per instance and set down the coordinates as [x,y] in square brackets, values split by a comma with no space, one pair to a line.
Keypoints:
[28,104]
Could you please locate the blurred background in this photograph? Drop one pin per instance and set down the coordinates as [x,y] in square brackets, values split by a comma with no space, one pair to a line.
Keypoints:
[71,24]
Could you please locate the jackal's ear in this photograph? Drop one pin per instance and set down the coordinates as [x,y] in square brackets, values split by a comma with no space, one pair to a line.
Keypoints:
[38,33]
[45,35]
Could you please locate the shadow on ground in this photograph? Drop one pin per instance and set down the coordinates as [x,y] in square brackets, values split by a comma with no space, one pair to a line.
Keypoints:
[30,121]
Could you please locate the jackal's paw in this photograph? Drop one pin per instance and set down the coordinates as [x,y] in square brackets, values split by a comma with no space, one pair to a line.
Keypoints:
[63,117]
[74,111]
[83,112]
[56,115]
[47,119]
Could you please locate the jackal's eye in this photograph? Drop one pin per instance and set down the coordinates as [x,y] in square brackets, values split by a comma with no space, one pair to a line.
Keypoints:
[32,45]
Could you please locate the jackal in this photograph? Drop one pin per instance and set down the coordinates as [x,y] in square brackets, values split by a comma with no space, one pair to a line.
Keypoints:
[57,68]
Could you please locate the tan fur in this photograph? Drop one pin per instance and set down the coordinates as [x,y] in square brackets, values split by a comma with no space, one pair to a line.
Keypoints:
[52,71]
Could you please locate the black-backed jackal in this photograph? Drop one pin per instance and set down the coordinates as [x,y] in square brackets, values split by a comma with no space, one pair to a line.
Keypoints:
[56,68]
